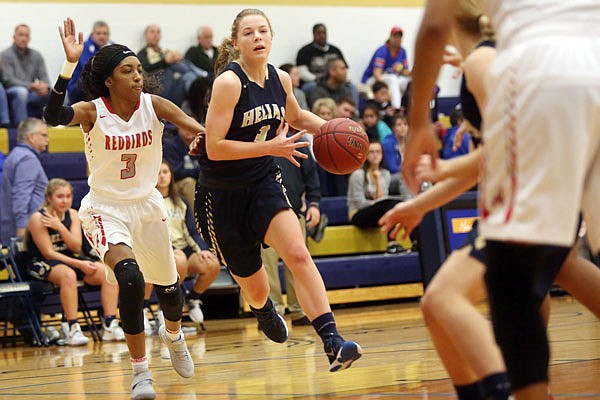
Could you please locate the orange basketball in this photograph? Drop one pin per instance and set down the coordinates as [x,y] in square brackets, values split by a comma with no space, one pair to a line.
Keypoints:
[341,146]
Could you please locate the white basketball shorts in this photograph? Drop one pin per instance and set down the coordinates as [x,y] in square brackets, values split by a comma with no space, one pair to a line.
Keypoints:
[139,224]
[542,141]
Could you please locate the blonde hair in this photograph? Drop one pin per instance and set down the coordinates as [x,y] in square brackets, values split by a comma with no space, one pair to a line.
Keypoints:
[53,185]
[226,52]
[324,102]
[470,18]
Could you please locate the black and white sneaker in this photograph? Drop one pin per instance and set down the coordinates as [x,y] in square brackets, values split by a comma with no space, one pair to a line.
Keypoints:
[341,353]
[272,324]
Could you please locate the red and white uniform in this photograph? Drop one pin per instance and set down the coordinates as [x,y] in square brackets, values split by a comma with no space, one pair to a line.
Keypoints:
[123,205]
[542,122]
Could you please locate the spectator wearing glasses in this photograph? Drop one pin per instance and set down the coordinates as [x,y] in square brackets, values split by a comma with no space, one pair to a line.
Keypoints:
[23,179]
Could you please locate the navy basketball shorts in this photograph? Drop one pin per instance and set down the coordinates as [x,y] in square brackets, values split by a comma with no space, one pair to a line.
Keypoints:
[233,221]
[477,243]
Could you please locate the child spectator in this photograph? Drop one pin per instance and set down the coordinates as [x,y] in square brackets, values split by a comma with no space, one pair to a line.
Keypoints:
[367,193]
[53,242]
[190,258]
[376,129]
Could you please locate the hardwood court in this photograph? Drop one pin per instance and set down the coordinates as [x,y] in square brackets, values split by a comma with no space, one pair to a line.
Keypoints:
[235,361]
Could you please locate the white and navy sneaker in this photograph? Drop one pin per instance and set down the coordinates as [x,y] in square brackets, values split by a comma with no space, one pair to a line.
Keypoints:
[271,323]
[341,353]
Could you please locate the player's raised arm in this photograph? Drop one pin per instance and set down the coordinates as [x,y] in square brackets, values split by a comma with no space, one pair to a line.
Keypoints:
[56,113]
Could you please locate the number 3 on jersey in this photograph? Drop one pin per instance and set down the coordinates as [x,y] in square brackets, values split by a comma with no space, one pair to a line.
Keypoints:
[129,170]
[262,133]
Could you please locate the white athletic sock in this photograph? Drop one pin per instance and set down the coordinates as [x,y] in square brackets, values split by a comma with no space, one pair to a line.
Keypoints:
[139,364]
[173,335]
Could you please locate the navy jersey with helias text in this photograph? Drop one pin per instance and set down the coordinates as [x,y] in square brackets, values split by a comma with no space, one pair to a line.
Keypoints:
[470,108]
[257,115]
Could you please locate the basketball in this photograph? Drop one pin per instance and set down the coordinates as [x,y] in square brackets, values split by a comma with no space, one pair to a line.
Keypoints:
[340,146]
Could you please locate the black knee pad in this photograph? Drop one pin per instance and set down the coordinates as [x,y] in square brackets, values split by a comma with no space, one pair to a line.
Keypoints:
[131,295]
[170,299]
[517,279]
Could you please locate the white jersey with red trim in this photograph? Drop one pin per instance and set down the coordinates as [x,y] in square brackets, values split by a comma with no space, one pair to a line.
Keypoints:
[124,156]
[516,21]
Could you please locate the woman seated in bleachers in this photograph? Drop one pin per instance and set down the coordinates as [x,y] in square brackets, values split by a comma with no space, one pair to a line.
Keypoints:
[53,244]
[368,191]
[190,257]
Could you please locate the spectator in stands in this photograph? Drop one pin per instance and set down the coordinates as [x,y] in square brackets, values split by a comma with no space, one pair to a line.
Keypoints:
[382,98]
[312,58]
[23,179]
[168,67]
[190,257]
[99,38]
[205,53]
[185,168]
[345,108]
[376,129]
[448,148]
[299,94]
[393,153]
[24,76]
[433,103]
[390,65]
[52,241]
[368,190]
[331,184]
[302,185]
[334,84]
[4,112]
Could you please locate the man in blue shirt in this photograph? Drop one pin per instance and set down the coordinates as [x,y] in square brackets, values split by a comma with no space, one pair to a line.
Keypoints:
[390,65]
[23,179]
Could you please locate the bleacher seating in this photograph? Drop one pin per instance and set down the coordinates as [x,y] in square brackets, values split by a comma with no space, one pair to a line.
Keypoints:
[347,257]
[353,263]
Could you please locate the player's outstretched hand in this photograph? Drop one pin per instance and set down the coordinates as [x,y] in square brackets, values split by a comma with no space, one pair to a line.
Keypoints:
[420,141]
[404,215]
[287,147]
[72,42]
[198,146]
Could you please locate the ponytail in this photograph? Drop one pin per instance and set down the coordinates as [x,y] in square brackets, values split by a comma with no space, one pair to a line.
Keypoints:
[227,54]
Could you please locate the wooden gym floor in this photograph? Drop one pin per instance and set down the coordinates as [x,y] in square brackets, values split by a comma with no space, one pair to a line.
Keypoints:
[235,361]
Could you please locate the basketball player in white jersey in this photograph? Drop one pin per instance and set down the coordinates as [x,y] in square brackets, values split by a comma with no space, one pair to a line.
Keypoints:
[124,216]
[542,161]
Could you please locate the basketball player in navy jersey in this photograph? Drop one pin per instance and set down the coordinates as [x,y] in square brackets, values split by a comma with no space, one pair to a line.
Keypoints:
[124,215]
[544,82]
[240,201]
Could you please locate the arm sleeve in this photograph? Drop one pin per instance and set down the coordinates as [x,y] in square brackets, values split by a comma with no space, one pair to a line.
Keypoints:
[55,113]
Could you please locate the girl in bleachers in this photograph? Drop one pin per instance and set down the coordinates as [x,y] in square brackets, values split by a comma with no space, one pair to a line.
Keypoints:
[368,191]
[190,258]
[53,241]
